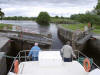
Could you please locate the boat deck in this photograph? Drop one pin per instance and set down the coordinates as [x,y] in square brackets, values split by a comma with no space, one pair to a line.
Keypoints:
[36,68]
[50,63]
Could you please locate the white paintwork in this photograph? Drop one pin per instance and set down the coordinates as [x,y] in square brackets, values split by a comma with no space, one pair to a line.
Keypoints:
[95,72]
[50,63]
[97,37]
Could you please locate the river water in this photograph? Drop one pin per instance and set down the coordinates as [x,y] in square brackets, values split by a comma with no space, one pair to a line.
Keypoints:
[34,27]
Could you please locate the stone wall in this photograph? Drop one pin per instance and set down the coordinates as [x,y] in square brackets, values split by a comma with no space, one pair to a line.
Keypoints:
[6,47]
[95,44]
[4,50]
[77,38]
[18,45]
[3,65]
[66,34]
[92,50]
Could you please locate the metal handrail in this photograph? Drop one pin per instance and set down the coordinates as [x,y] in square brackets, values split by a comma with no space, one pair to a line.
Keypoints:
[24,51]
[13,62]
[19,57]
[87,57]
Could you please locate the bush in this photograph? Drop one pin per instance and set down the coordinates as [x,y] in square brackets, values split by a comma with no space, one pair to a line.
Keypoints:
[97,9]
[43,18]
[1,14]
[85,18]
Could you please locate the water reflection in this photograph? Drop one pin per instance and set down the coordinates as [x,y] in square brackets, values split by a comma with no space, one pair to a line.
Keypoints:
[56,41]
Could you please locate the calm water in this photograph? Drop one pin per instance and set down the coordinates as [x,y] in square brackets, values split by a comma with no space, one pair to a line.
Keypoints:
[33,26]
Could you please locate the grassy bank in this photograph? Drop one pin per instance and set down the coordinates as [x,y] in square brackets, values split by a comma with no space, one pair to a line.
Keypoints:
[8,26]
[81,27]
[62,21]
[97,29]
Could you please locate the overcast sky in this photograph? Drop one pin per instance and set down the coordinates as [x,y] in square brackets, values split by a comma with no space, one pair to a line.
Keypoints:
[53,7]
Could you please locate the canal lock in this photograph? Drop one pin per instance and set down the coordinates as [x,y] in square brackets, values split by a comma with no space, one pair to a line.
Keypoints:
[11,49]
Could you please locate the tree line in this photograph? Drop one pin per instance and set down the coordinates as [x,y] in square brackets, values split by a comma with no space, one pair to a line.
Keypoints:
[44,18]
[93,17]
[18,18]
[1,14]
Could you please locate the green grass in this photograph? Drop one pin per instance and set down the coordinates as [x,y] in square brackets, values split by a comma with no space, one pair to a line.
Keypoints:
[81,27]
[8,26]
[60,20]
[96,31]
[74,26]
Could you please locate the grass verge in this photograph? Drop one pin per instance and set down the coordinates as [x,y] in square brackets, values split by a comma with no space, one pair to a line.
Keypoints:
[81,27]
[8,26]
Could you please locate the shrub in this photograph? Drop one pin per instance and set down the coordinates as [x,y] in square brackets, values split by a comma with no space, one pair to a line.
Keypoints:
[43,18]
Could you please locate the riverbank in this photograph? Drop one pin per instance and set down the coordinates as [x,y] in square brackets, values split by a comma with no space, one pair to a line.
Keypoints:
[58,20]
[62,21]
[81,27]
[5,26]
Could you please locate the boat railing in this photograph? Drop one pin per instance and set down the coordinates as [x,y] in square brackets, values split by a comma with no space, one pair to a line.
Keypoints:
[23,57]
[18,57]
[79,54]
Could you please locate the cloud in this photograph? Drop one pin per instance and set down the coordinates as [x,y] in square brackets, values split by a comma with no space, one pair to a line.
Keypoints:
[53,7]
[48,1]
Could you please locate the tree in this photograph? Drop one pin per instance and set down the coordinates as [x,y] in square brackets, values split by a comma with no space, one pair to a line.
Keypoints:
[85,18]
[92,17]
[43,18]
[56,16]
[1,14]
[97,8]
[62,17]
